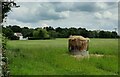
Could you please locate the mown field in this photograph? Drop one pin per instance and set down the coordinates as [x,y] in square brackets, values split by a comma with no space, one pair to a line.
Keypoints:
[50,57]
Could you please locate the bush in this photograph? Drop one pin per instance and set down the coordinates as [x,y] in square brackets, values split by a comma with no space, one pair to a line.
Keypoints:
[14,38]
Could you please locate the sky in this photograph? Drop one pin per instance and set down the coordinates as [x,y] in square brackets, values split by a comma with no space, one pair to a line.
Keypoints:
[89,15]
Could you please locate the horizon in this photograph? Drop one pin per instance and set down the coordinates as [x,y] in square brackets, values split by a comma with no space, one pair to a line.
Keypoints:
[65,27]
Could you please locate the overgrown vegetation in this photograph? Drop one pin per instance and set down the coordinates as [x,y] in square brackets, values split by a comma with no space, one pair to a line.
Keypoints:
[5,7]
[50,57]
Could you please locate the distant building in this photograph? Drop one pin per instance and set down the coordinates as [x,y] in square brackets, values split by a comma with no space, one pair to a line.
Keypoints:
[20,36]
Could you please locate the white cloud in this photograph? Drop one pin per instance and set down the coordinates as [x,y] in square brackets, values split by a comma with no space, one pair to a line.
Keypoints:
[65,15]
[21,24]
[67,0]
[101,5]
[36,12]
[98,15]
[55,11]
[103,15]
[45,25]
[107,14]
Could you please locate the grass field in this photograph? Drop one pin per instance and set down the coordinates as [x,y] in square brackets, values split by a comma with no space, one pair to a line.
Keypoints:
[50,57]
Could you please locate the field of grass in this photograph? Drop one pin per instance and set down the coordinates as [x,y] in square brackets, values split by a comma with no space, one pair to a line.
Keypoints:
[50,57]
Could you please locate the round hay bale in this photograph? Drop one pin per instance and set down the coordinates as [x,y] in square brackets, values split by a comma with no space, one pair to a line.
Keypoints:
[78,45]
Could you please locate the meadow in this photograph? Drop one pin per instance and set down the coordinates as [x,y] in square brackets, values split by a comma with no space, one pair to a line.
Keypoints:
[51,57]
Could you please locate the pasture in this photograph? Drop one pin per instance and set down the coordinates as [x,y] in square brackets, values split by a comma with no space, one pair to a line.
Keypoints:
[50,57]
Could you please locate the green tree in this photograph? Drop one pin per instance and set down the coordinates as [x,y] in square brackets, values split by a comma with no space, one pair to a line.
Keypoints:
[102,34]
[35,34]
[6,7]
[8,33]
[27,32]
[114,34]
[52,34]
[49,28]
[72,31]
[16,28]
[41,33]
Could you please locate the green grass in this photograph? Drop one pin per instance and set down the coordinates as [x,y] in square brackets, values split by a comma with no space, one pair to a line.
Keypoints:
[50,57]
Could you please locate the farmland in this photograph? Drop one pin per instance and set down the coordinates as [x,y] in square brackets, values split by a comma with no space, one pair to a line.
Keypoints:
[50,57]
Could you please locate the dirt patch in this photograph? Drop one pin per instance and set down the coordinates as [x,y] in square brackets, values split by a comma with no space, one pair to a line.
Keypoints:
[90,55]
[80,56]
[96,55]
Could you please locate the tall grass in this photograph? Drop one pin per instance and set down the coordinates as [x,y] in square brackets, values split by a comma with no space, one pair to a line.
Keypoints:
[50,57]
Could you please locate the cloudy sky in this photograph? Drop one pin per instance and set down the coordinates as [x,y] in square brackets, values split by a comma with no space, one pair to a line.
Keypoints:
[89,15]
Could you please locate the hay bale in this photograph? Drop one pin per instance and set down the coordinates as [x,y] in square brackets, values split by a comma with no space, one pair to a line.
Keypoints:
[79,37]
[78,45]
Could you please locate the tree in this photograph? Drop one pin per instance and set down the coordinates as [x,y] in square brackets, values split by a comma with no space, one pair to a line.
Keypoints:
[72,31]
[6,7]
[40,33]
[16,29]
[58,29]
[91,34]
[35,34]
[84,32]
[114,34]
[49,28]
[102,34]
[8,33]
[27,32]
[52,34]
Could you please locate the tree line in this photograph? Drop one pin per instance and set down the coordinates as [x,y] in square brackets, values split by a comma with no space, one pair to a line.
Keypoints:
[51,33]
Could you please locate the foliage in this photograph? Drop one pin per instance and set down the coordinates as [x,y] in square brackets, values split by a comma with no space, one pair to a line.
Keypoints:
[27,32]
[15,28]
[8,33]
[40,33]
[6,7]
[61,32]
[35,34]
[50,32]
[4,41]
